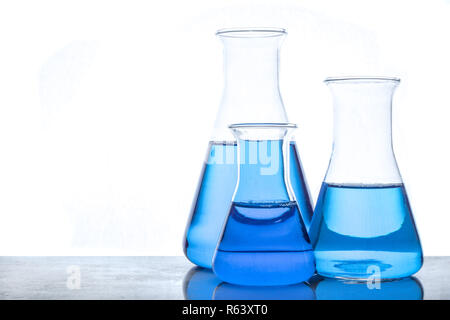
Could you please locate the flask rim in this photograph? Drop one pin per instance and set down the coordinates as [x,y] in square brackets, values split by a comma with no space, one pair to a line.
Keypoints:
[362,79]
[251,32]
[286,125]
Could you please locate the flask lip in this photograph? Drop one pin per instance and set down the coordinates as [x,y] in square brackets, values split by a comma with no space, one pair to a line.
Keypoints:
[286,125]
[251,32]
[361,79]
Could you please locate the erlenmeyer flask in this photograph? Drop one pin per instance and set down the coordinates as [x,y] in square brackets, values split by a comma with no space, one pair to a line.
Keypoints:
[251,94]
[264,240]
[363,226]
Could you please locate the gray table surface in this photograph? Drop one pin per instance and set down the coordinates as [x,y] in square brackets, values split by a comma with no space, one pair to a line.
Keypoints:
[177,278]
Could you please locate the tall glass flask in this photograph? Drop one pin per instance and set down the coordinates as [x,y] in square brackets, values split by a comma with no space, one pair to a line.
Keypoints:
[363,225]
[251,94]
[264,240]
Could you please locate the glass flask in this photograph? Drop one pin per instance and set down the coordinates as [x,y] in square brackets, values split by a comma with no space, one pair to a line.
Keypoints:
[251,94]
[363,225]
[264,240]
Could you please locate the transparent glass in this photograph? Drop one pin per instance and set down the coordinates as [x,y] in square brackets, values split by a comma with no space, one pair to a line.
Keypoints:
[251,94]
[363,225]
[264,240]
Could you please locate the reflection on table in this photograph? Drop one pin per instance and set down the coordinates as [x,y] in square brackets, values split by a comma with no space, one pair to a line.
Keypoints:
[332,289]
[202,284]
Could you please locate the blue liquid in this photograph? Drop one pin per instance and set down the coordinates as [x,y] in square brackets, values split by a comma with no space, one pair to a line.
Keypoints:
[213,200]
[264,244]
[403,289]
[361,232]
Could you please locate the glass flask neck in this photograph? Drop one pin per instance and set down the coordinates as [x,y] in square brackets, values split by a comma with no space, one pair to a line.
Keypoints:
[263,171]
[251,91]
[362,143]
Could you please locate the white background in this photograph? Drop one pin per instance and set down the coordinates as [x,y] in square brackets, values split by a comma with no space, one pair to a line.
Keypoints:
[106,108]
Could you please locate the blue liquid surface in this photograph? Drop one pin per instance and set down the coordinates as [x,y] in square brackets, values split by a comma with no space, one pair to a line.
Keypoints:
[360,232]
[264,244]
[213,200]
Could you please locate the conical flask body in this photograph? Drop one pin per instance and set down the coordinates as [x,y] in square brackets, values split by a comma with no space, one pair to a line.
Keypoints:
[264,240]
[365,231]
